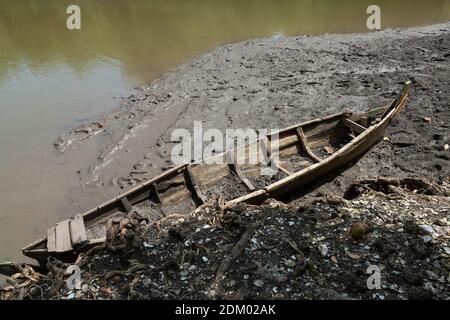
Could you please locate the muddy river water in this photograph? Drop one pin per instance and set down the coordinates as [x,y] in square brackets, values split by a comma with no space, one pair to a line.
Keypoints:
[53,79]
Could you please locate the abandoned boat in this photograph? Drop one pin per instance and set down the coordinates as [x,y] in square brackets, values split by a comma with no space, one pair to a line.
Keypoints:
[305,152]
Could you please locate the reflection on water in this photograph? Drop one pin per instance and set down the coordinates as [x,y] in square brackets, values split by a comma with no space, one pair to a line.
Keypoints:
[51,77]
[148,36]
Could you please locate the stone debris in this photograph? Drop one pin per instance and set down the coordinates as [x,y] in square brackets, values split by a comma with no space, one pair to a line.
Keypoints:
[271,251]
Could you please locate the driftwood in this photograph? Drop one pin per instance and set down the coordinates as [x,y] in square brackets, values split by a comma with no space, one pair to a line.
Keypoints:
[396,186]
[236,251]
[22,282]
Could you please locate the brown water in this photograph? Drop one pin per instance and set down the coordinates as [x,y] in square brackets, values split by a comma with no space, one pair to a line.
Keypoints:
[52,79]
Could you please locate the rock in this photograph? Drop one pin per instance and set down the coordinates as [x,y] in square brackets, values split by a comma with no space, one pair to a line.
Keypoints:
[147,281]
[426,229]
[323,249]
[354,256]
[259,283]
[290,263]
[358,230]
[192,268]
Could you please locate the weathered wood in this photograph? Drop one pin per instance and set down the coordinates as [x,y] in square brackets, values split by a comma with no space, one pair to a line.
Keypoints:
[281,168]
[63,242]
[254,196]
[77,231]
[51,239]
[265,149]
[315,133]
[191,183]
[267,154]
[126,204]
[155,192]
[397,103]
[357,128]
[234,168]
[304,145]
[358,146]
[308,123]
[364,121]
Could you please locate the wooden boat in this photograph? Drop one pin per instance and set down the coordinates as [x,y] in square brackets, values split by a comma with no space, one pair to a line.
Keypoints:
[301,159]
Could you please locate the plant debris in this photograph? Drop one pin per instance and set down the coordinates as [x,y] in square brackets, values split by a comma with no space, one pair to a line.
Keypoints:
[302,250]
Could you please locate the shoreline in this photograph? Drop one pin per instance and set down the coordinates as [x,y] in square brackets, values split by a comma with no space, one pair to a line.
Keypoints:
[271,83]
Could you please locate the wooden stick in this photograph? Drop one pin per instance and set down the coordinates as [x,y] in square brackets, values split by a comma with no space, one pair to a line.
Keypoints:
[355,127]
[154,188]
[234,168]
[191,183]
[304,145]
[237,250]
[126,204]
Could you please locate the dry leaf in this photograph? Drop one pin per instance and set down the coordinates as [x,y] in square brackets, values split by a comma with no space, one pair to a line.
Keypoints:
[329,149]
[334,259]
[427,119]
[354,256]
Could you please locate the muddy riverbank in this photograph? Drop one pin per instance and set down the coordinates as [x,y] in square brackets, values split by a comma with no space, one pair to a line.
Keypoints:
[272,83]
[275,82]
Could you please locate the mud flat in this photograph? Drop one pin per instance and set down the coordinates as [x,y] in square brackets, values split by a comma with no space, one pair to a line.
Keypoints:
[274,82]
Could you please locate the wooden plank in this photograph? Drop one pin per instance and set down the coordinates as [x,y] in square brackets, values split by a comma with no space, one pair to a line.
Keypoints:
[304,145]
[364,121]
[193,186]
[126,204]
[355,127]
[267,153]
[254,196]
[63,242]
[350,151]
[140,195]
[376,112]
[264,143]
[99,211]
[154,188]
[77,231]
[308,123]
[51,239]
[281,168]
[396,104]
[232,163]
